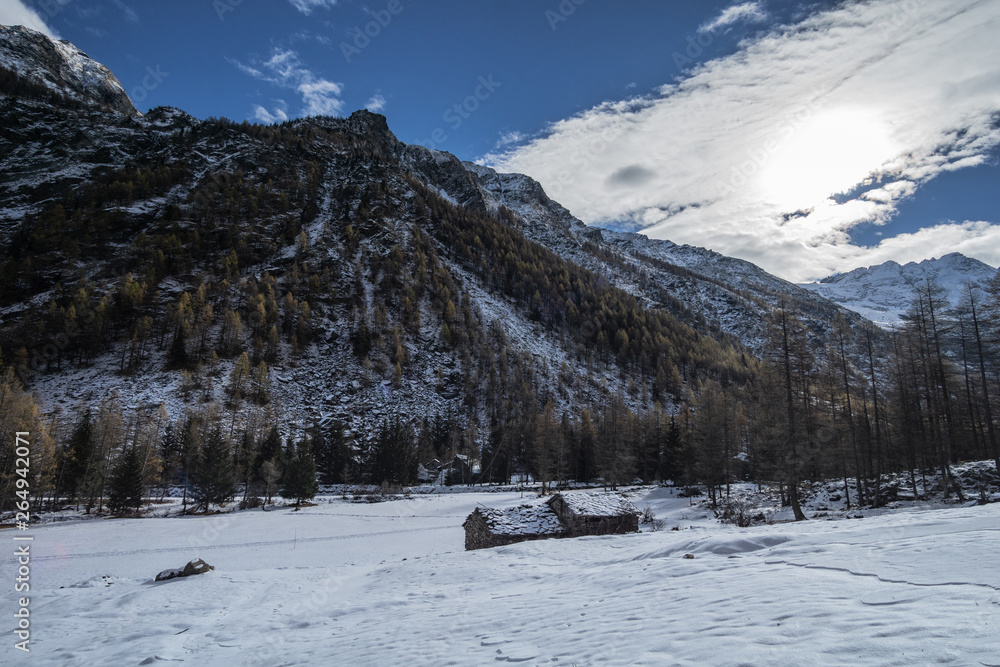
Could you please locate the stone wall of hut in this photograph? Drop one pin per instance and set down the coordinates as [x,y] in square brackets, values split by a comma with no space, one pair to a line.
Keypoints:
[479,536]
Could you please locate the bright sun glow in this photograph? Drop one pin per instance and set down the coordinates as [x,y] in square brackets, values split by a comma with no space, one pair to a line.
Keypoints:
[828,153]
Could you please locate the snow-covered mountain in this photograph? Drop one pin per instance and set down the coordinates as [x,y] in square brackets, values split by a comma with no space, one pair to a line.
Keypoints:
[883,293]
[393,277]
[62,68]
[372,277]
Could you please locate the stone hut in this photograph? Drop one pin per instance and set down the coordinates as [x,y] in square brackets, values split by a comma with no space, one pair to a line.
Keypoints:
[490,527]
[563,515]
[595,513]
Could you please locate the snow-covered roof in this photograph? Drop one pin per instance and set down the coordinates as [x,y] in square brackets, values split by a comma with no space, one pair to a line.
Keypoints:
[522,520]
[597,504]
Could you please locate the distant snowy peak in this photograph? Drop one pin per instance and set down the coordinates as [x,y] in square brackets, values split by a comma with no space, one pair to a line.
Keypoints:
[882,293]
[950,265]
[62,68]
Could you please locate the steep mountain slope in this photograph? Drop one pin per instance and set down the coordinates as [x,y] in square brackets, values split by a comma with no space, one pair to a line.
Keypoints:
[721,296]
[143,255]
[883,293]
[61,68]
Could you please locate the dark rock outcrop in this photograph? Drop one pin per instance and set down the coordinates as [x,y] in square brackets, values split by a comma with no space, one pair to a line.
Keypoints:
[196,566]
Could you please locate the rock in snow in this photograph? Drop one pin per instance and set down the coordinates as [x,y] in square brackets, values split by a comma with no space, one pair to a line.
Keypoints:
[196,566]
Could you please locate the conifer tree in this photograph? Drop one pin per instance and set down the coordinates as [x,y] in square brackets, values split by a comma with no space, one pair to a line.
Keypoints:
[332,453]
[260,384]
[300,475]
[189,449]
[973,310]
[586,458]
[270,473]
[214,481]
[126,483]
[239,377]
[178,357]
[788,353]
[270,449]
[170,454]
[77,456]
[19,412]
[393,457]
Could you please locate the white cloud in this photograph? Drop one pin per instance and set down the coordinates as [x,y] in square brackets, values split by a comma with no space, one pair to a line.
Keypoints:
[510,138]
[744,155]
[975,239]
[320,97]
[279,115]
[749,12]
[15,12]
[307,6]
[128,12]
[376,103]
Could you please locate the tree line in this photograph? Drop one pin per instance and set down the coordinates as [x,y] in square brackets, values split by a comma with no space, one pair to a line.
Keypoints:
[919,398]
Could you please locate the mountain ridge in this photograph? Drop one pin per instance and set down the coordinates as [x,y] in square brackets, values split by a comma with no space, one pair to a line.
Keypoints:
[726,295]
[883,292]
[62,68]
[357,279]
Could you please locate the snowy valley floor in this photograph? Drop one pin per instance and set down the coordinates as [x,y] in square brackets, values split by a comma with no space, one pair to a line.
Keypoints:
[390,584]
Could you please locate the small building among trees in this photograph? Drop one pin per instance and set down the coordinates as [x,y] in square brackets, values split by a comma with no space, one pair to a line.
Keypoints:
[459,471]
[563,515]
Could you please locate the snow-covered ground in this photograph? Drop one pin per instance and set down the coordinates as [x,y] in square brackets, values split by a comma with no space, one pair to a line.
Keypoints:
[390,584]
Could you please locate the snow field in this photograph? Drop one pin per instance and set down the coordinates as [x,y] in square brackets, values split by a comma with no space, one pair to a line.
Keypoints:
[329,585]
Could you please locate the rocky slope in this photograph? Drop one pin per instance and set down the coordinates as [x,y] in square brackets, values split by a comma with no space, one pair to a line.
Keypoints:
[722,296]
[62,68]
[372,278]
[355,267]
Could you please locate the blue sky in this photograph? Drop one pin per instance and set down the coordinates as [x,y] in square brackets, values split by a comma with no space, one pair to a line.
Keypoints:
[426,58]
[732,124]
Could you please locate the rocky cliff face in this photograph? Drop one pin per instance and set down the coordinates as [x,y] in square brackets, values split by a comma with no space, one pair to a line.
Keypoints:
[63,68]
